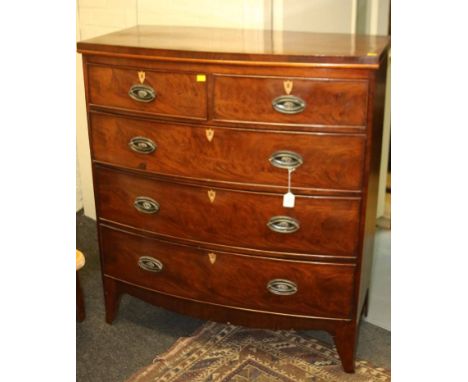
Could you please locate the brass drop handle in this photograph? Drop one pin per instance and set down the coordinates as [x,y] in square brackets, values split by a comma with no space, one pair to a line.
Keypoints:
[150,264]
[142,93]
[289,104]
[142,145]
[283,224]
[286,159]
[282,287]
[146,205]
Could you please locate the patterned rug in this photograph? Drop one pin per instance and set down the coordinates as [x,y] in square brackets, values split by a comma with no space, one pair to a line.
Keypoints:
[222,353]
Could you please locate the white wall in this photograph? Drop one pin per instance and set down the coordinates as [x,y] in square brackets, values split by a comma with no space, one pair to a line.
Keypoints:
[79,197]
[327,16]
[97,17]
[226,13]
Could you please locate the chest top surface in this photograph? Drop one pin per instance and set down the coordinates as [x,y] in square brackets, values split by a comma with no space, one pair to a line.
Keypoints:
[208,44]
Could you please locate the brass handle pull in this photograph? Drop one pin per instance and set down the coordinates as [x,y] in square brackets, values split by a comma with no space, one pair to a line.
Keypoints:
[142,145]
[142,93]
[282,287]
[146,205]
[289,104]
[150,264]
[286,159]
[283,224]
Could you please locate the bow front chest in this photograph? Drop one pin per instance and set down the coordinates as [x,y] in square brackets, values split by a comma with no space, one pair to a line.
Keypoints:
[235,173]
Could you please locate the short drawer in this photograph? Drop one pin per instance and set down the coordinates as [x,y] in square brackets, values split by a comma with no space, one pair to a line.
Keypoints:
[325,161]
[229,279]
[322,225]
[171,94]
[301,101]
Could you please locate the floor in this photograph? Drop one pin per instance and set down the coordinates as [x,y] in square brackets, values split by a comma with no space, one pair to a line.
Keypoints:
[111,353]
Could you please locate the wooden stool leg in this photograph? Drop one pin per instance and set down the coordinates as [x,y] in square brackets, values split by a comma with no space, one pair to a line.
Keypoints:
[112,299]
[80,306]
[346,340]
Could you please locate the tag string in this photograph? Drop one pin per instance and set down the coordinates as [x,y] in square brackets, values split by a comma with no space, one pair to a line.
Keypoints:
[290,170]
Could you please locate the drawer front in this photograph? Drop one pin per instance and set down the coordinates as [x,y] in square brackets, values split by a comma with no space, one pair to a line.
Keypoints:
[316,225]
[288,287]
[163,93]
[328,161]
[310,101]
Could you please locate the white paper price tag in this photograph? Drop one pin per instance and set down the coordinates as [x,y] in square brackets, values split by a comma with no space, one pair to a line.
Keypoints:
[288,200]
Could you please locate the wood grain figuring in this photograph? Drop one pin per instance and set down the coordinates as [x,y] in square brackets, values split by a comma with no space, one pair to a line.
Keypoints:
[177,94]
[188,273]
[328,102]
[245,45]
[330,161]
[208,311]
[328,225]
[213,185]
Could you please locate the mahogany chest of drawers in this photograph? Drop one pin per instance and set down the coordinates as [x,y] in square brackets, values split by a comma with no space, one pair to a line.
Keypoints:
[195,134]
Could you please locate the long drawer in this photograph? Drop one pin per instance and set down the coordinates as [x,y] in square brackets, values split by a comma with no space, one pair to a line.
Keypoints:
[229,279]
[302,101]
[172,94]
[324,161]
[321,225]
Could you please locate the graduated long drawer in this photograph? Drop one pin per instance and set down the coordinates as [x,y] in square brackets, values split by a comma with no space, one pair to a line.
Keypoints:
[316,225]
[229,279]
[324,161]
